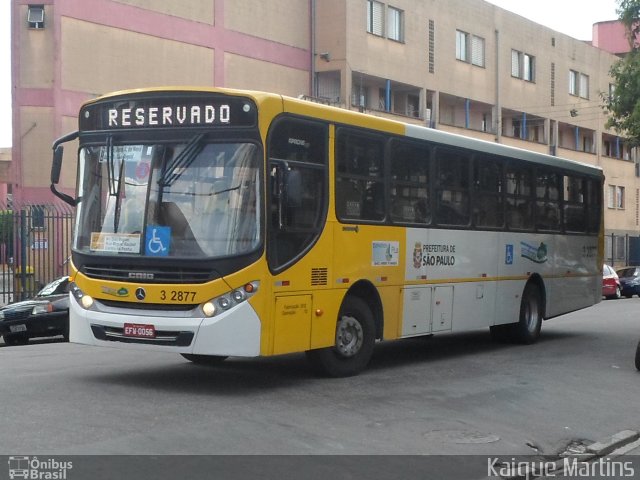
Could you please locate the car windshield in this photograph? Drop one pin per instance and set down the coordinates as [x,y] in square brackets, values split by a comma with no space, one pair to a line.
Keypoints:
[628,272]
[60,285]
[192,199]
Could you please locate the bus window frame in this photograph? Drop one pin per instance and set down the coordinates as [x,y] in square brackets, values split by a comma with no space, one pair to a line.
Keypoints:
[273,162]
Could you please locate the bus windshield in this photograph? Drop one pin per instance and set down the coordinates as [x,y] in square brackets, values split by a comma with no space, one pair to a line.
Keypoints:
[193,199]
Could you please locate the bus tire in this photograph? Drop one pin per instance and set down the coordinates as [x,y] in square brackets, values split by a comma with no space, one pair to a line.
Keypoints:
[527,329]
[354,341]
[638,356]
[204,359]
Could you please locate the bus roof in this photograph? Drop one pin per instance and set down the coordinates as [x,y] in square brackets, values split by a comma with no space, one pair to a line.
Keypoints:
[365,120]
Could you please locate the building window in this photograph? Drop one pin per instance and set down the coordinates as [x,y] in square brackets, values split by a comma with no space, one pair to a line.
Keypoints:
[462,39]
[35,16]
[573,82]
[523,65]
[395,20]
[529,67]
[616,197]
[375,19]
[620,198]
[584,86]
[578,84]
[359,96]
[470,48]
[477,51]
[611,197]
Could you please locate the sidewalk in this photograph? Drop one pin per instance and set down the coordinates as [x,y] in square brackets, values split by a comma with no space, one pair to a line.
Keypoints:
[616,457]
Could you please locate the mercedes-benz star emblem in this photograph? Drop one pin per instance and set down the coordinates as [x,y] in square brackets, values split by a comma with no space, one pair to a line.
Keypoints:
[140,294]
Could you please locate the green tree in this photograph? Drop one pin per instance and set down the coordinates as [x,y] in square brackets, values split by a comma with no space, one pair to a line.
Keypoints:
[6,226]
[623,103]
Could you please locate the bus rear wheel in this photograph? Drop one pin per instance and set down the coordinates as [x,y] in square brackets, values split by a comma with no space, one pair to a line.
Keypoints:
[204,359]
[354,342]
[527,330]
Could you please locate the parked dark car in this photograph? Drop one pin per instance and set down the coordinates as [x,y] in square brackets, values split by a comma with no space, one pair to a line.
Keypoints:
[610,283]
[629,281]
[45,315]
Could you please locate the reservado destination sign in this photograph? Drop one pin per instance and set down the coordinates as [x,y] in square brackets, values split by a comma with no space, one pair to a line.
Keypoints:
[165,111]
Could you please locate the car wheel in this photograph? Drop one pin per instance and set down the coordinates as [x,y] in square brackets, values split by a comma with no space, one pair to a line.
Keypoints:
[15,339]
[617,294]
[204,359]
[628,296]
[354,341]
[638,356]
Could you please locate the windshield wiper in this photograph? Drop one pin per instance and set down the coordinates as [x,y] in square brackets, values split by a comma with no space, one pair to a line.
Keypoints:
[111,177]
[183,159]
[118,195]
[230,189]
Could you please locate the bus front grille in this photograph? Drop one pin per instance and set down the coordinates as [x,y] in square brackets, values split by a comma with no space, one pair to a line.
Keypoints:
[148,275]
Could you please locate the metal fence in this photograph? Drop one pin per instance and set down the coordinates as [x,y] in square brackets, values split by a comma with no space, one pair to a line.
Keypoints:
[35,243]
[622,250]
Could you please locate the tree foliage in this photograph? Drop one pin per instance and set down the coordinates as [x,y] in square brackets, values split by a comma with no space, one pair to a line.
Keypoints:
[623,103]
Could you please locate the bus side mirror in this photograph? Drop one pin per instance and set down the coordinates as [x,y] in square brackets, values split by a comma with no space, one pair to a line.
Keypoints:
[56,166]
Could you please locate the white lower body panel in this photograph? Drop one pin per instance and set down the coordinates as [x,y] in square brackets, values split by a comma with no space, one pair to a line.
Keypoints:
[235,332]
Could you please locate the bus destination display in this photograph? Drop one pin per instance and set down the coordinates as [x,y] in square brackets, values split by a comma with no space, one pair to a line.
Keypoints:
[169,112]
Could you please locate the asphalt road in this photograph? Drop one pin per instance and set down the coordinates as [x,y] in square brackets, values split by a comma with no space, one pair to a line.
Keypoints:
[448,394]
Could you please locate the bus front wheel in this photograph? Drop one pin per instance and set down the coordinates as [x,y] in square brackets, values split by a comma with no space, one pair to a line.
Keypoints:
[354,341]
[204,359]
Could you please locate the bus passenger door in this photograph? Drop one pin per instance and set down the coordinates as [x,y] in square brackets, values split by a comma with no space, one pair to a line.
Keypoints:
[416,319]
[442,308]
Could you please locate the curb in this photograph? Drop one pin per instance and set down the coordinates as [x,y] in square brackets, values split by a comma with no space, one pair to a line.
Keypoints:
[612,443]
[588,453]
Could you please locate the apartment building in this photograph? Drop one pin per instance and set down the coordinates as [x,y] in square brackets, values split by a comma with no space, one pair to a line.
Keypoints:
[465,66]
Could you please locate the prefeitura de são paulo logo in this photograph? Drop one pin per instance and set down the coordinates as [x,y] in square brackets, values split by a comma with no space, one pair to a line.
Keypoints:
[38,468]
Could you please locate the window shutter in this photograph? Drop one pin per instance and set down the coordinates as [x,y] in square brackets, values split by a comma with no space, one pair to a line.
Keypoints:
[378,23]
[477,51]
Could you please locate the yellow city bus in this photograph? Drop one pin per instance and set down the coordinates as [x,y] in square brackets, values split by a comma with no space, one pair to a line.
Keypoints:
[214,223]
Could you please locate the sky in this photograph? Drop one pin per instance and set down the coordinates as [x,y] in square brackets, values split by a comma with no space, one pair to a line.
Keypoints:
[571,17]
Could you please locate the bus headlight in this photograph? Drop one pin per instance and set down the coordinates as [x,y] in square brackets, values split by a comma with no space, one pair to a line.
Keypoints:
[85,301]
[224,302]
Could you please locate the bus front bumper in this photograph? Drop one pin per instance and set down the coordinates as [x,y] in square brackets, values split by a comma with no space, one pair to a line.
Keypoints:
[235,332]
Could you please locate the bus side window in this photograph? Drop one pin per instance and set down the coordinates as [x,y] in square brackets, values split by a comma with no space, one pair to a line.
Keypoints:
[452,193]
[518,189]
[575,211]
[360,191]
[547,200]
[488,208]
[409,182]
[297,152]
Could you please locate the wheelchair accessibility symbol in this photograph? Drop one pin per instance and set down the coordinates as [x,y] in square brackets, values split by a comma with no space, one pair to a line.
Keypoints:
[157,241]
[508,255]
